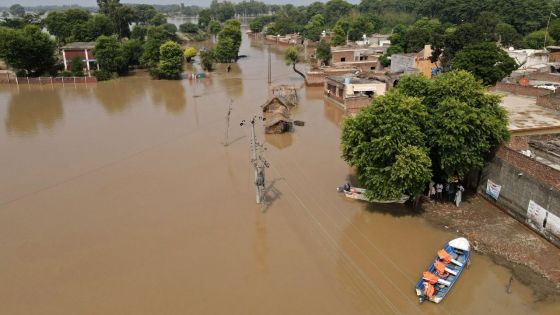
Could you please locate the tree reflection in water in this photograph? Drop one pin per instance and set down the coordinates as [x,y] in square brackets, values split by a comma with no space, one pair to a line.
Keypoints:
[33,108]
[171,94]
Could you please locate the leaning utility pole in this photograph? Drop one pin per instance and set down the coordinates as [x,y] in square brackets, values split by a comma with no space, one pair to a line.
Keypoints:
[226,142]
[257,160]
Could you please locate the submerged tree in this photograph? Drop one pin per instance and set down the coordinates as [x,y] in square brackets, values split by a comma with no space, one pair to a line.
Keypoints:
[170,62]
[229,41]
[323,52]
[292,57]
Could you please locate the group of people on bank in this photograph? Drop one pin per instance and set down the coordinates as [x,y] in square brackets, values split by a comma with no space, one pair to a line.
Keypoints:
[449,191]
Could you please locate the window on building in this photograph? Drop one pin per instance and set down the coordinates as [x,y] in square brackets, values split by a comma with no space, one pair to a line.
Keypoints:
[343,59]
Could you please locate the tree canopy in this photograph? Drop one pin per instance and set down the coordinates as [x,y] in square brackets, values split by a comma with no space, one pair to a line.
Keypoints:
[27,49]
[229,41]
[423,129]
[486,61]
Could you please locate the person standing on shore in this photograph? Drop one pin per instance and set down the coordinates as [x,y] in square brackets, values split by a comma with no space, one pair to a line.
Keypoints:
[439,192]
[458,194]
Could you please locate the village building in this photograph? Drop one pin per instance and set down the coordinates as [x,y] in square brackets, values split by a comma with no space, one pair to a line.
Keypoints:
[352,93]
[84,50]
[288,39]
[361,58]
[414,63]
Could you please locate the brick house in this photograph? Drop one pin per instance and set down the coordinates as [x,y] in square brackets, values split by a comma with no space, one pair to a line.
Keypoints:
[414,62]
[352,93]
[84,50]
[361,58]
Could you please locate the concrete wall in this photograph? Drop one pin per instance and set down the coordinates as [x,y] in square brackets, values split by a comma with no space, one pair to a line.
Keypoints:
[551,101]
[402,63]
[317,78]
[520,89]
[523,180]
[540,76]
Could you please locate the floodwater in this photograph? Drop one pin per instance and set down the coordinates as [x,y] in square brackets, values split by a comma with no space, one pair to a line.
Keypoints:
[120,198]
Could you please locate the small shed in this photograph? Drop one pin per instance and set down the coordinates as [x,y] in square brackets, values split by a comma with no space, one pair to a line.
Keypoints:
[278,123]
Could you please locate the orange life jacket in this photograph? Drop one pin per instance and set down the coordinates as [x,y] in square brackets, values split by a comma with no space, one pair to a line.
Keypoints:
[440,268]
[430,277]
[429,289]
[444,256]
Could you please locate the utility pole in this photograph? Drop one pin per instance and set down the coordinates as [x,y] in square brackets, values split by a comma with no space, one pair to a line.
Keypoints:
[226,142]
[257,160]
[269,66]
[547,24]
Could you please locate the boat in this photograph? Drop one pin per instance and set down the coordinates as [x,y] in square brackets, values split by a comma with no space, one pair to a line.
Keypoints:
[444,271]
[360,194]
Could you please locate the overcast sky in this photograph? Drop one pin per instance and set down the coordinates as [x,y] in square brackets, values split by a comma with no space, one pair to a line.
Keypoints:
[7,3]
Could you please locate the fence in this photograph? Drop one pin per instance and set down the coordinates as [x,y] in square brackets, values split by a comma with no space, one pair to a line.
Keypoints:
[11,79]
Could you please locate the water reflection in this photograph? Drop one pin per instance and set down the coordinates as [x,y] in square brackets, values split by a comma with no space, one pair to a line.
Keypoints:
[280,141]
[333,113]
[117,95]
[33,108]
[171,94]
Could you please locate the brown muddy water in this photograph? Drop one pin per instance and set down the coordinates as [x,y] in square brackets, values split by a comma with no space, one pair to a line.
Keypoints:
[119,198]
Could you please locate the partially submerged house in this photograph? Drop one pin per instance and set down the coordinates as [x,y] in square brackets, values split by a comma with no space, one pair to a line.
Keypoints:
[351,92]
[84,50]
[275,104]
[277,122]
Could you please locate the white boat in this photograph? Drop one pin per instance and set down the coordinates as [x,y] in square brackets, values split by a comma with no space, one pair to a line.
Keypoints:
[359,194]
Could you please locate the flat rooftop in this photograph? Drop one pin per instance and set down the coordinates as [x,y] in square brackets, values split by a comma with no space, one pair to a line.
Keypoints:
[353,80]
[526,117]
[79,45]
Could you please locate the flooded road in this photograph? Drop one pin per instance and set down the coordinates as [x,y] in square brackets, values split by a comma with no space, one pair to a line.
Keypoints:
[120,198]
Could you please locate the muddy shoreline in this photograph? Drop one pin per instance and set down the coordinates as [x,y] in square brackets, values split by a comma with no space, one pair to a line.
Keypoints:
[525,253]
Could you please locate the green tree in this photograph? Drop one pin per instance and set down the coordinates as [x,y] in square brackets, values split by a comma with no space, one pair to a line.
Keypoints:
[486,61]
[158,19]
[335,9]
[204,18]
[27,49]
[170,61]
[156,36]
[315,27]
[67,24]
[292,57]
[143,13]
[77,66]
[338,36]
[132,50]
[222,11]
[189,53]
[465,122]
[507,35]
[323,52]
[188,28]
[17,10]
[256,26]
[110,54]
[229,41]
[214,27]
[387,145]
[207,59]
[121,15]
[536,40]
[139,32]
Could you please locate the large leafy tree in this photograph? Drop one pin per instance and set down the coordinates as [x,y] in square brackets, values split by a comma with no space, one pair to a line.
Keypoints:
[315,27]
[229,41]
[387,145]
[121,15]
[110,54]
[27,49]
[466,123]
[170,61]
[156,36]
[423,128]
[323,52]
[536,40]
[143,13]
[17,10]
[65,25]
[335,9]
[486,61]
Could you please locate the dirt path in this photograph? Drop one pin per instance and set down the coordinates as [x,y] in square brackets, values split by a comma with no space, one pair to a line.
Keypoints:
[507,241]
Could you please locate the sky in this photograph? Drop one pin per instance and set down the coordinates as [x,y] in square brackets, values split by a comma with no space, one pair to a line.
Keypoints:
[7,3]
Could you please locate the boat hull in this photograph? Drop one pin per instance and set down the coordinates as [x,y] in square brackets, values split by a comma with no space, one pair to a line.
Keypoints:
[459,250]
